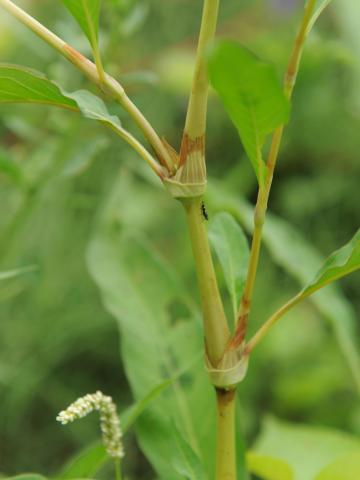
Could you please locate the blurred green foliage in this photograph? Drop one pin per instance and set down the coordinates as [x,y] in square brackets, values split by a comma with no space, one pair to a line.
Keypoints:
[57,341]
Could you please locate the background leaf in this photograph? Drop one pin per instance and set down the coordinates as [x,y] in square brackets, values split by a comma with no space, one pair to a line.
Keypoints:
[190,466]
[252,96]
[306,449]
[268,468]
[24,85]
[136,283]
[16,272]
[344,468]
[86,463]
[27,476]
[230,244]
[86,13]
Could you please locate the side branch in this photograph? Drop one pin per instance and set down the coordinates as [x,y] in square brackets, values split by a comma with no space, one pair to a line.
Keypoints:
[104,81]
[264,193]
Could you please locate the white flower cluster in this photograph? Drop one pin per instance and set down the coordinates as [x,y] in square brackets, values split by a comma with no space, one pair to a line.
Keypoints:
[109,420]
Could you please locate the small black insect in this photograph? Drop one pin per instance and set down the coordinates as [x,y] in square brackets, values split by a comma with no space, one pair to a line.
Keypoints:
[204,212]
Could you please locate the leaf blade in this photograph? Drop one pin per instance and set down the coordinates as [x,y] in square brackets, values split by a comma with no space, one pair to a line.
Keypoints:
[23,85]
[268,467]
[252,97]
[231,246]
[87,14]
[339,264]
[122,261]
[346,467]
[92,107]
[9,274]
[306,449]
[319,8]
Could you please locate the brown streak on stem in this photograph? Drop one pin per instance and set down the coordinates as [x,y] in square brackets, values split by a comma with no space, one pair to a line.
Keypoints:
[240,332]
[74,53]
[189,145]
[225,396]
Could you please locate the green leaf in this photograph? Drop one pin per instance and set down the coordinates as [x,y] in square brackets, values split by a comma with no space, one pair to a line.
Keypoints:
[306,449]
[132,414]
[88,462]
[268,468]
[319,8]
[9,274]
[23,85]
[9,168]
[190,466]
[27,476]
[344,468]
[342,262]
[161,335]
[252,96]
[83,155]
[231,246]
[86,13]
[93,107]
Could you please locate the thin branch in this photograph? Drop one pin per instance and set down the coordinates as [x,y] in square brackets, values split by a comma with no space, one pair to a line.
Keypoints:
[263,330]
[138,147]
[109,84]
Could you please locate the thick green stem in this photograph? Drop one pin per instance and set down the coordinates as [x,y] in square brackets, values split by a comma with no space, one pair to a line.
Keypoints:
[225,445]
[196,115]
[215,323]
[193,142]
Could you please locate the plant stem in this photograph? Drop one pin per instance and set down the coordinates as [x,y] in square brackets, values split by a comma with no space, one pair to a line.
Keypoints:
[215,323]
[139,148]
[264,193]
[193,142]
[104,81]
[193,145]
[225,448]
[118,475]
[196,115]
